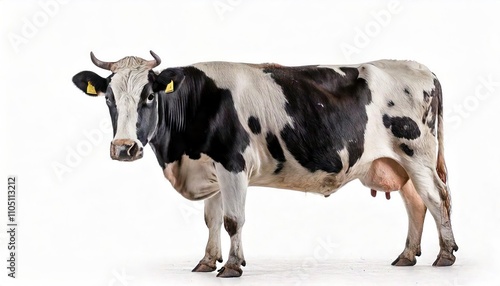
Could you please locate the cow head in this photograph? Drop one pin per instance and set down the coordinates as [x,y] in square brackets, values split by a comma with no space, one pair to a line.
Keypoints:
[132,104]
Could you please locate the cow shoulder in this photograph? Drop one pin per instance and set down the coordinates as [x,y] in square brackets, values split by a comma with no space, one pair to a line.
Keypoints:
[215,126]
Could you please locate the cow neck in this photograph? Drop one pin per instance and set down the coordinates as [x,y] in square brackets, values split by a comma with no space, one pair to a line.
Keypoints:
[183,118]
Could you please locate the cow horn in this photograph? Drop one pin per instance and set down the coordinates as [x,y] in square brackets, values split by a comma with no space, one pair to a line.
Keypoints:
[154,63]
[104,65]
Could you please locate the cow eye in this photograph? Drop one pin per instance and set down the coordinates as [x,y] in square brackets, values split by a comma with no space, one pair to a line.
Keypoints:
[151,96]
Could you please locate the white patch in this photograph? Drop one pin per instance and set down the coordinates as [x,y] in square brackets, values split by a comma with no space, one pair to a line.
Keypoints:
[131,75]
[254,93]
[233,188]
[213,218]
[387,80]
[391,77]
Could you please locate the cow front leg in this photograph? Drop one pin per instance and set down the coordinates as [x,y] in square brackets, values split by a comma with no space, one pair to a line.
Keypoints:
[233,193]
[416,214]
[213,220]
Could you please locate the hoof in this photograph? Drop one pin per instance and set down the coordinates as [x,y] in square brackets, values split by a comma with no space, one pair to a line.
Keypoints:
[203,268]
[403,261]
[445,258]
[230,271]
[444,261]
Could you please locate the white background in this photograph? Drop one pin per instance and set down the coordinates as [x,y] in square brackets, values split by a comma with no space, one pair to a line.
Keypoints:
[100,222]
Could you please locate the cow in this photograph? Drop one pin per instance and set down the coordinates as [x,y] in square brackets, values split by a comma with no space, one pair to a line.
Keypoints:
[218,127]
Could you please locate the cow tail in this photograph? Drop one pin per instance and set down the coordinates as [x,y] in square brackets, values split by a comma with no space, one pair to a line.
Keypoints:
[441,164]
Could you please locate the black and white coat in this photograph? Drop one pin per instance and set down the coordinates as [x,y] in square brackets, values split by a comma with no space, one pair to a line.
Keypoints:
[218,127]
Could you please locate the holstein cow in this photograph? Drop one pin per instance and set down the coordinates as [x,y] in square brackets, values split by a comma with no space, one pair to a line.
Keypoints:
[218,127]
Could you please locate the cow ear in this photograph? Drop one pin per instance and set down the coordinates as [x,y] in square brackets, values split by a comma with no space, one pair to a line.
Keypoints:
[90,83]
[169,80]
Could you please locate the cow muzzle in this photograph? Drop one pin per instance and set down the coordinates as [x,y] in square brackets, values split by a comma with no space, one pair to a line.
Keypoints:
[125,150]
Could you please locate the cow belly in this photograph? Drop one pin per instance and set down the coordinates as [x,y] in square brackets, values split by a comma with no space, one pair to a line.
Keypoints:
[299,179]
[385,175]
[315,184]
[265,171]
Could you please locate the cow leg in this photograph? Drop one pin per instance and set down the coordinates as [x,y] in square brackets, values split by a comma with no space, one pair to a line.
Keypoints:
[233,191]
[437,199]
[213,220]
[416,214]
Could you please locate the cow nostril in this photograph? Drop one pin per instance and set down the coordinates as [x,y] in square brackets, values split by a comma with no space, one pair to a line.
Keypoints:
[133,150]
[125,150]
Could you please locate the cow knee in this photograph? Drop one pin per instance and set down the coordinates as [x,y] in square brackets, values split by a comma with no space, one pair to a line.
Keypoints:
[232,224]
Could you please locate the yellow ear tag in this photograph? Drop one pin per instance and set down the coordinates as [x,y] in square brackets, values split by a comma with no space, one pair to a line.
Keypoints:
[170,87]
[91,88]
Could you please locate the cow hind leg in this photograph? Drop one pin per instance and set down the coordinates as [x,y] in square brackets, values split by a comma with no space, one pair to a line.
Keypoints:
[213,220]
[387,175]
[436,198]
[416,214]
[233,193]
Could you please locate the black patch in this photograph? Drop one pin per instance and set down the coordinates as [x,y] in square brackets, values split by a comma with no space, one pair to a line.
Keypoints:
[427,96]
[387,120]
[274,147]
[432,124]
[279,167]
[160,81]
[82,79]
[408,151]
[113,112]
[407,91]
[402,127]
[390,103]
[424,117]
[320,132]
[436,106]
[100,84]
[147,114]
[254,124]
[230,225]
[210,124]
